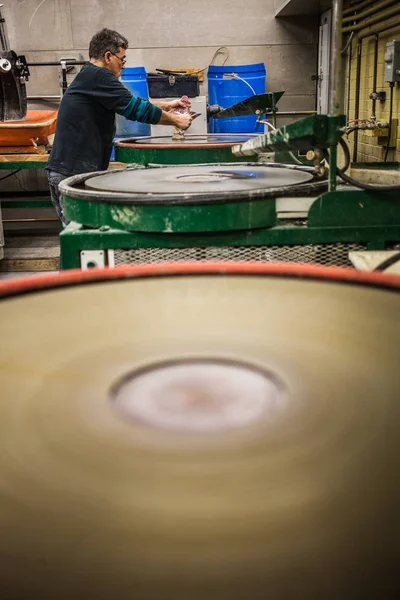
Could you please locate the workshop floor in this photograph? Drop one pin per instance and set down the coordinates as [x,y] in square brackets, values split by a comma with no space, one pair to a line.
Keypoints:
[30,255]
[21,274]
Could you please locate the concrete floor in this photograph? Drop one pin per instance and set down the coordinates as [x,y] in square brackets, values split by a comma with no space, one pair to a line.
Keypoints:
[29,254]
[21,274]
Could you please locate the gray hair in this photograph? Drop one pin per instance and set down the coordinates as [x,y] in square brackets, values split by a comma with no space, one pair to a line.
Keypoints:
[104,41]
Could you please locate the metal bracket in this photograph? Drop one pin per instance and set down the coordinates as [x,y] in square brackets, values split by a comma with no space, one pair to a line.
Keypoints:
[14,74]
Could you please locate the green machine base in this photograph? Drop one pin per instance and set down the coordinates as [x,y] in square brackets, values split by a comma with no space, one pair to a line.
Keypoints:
[332,225]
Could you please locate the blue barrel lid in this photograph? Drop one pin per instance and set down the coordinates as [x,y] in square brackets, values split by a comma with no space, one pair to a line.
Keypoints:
[129,71]
[237,68]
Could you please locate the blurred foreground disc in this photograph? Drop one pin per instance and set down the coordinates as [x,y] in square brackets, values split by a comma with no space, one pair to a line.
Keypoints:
[200,433]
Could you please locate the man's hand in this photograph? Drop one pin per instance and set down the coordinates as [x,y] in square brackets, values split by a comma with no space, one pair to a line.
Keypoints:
[182,121]
[177,113]
[183,102]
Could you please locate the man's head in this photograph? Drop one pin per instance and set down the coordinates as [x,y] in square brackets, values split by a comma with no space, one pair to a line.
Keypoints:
[107,49]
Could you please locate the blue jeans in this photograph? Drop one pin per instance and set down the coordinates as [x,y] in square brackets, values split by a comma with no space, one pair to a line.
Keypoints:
[54,181]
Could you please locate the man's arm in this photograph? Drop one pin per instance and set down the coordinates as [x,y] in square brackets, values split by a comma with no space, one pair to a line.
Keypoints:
[114,96]
[167,106]
[177,119]
[149,112]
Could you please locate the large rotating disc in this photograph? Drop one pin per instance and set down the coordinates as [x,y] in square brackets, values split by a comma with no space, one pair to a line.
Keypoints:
[190,140]
[192,149]
[197,179]
[228,433]
[183,198]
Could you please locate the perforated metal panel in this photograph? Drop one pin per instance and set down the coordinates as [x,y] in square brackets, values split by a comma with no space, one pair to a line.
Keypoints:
[322,254]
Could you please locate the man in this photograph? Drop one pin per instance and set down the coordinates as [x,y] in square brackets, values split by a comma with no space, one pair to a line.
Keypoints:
[86,118]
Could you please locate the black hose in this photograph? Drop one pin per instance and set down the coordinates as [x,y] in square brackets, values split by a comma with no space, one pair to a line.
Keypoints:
[10,175]
[359,184]
[346,151]
[390,121]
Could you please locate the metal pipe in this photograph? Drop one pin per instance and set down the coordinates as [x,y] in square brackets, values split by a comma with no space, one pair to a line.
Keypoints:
[288,113]
[64,76]
[4,44]
[375,75]
[279,113]
[44,97]
[358,6]
[349,59]
[357,100]
[392,84]
[369,11]
[30,220]
[335,90]
[68,62]
[381,17]
[379,31]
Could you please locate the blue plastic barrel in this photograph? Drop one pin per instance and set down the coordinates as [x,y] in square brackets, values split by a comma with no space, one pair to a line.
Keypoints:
[231,84]
[133,78]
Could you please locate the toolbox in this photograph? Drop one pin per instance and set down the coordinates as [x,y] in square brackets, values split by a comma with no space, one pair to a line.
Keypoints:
[167,85]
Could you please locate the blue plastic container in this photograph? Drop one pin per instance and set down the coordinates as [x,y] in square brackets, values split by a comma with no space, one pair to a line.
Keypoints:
[231,84]
[133,78]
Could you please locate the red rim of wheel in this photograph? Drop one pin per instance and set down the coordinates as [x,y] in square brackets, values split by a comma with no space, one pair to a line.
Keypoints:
[299,271]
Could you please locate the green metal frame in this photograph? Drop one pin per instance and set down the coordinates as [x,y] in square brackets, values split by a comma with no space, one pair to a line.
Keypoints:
[346,217]
[168,218]
[316,131]
[175,156]
[23,164]
[34,202]
[27,202]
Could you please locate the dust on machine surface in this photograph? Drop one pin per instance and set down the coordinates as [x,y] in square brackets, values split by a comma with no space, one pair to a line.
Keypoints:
[200,431]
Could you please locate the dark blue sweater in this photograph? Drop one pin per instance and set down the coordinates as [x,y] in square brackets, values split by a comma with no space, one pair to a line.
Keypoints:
[86,120]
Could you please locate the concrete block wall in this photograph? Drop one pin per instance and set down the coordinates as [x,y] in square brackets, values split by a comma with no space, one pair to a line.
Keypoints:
[370,148]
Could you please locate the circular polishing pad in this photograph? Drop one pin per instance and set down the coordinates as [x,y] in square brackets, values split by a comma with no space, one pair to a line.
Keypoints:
[197,179]
[204,435]
[191,139]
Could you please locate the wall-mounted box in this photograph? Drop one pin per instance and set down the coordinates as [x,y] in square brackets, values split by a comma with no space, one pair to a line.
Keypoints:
[392,62]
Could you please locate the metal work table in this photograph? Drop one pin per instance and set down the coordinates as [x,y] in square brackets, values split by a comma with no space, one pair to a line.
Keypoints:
[23,161]
[35,161]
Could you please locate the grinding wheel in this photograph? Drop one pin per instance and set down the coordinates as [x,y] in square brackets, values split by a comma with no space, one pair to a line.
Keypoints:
[193,149]
[190,140]
[200,432]
[184,198]
[197,179]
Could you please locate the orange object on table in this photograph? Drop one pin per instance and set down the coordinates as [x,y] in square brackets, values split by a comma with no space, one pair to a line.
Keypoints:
[32,131]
